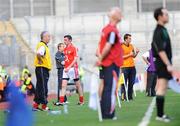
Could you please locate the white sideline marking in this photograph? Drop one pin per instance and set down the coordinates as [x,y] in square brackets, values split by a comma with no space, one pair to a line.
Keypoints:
[148,114]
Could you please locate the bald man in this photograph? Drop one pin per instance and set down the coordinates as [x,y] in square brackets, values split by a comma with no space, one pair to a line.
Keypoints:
[110,58]
[42,63]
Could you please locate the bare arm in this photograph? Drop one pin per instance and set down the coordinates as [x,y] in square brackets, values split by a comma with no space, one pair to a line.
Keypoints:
[145,60]
[164,58]
[128,55]
[105,51]
[74,61]
[39,58]
[40,54]
[97,52]
[134,55]
[166,61]
[110,41]
[136,52]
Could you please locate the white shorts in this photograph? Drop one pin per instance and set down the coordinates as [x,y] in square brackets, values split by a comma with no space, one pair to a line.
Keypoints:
[73,74]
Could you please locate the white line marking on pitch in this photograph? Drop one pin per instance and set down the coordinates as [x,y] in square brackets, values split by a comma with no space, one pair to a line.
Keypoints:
[148,114]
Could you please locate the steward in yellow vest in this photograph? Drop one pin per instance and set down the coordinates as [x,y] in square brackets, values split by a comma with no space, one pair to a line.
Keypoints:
[42,63]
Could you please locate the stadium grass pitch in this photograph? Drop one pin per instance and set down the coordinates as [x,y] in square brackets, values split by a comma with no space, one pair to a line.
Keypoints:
[130,114]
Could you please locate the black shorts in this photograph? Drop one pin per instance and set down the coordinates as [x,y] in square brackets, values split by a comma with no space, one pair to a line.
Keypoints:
[101,74]
[162,71]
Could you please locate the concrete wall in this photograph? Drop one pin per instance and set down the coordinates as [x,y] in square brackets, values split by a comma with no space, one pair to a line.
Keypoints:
[62,7]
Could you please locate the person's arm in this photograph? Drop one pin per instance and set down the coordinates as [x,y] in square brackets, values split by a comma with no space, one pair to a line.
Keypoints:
[39,59]
[74,61]
[72,64]
[63,59]
[136,52]
[98,51]
[165,60]
[105,51]
[159,46]
[128,55]
[59,57]
[110,41]
[40,53]
[145,56]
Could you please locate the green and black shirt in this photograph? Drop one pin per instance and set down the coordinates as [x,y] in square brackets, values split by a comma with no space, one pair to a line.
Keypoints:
[161,42]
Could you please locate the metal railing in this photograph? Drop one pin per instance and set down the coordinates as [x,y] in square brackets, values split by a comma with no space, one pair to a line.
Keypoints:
[21,8]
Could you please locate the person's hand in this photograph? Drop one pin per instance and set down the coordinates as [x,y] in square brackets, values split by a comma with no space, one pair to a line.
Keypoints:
[137,50]
[97,54]
[148,64]
[131,54]
[40,62]
[66,69]
[170,68]
[99,61]
[62,62]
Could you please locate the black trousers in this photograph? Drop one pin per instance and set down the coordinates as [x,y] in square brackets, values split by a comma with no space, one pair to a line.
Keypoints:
[42,77]
[60,75]
[108,94]
[151,83]
[129,75]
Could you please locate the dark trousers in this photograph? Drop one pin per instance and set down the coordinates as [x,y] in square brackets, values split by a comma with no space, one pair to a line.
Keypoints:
[129,75]
[151,83]
[108,94]
[60,75]
[42,77]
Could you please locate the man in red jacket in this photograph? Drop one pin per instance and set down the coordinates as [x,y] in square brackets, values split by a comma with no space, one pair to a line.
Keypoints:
[110,58]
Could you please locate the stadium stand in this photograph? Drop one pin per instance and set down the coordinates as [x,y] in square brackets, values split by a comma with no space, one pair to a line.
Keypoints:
[85,26]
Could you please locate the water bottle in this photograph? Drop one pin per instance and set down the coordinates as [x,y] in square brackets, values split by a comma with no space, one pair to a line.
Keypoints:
[65,109]
[58,112]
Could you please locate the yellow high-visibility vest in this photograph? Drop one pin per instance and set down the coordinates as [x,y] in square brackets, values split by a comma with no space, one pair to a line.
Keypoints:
[23,73]
[46,59]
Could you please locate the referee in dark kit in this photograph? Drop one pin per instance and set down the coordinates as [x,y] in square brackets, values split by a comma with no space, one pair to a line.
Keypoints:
[162,52]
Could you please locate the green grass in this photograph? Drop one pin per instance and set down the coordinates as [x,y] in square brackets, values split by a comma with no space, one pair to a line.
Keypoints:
[129,115]
[172,109]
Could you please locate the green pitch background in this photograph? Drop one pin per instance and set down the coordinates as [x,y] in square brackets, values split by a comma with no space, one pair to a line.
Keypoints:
[130,114]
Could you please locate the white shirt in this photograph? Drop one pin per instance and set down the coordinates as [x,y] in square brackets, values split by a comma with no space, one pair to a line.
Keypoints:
[41,51]
[146,55]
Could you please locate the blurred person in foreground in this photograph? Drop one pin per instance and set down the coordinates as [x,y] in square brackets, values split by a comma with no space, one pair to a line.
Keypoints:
[18,112]
[162,52]
[110,58]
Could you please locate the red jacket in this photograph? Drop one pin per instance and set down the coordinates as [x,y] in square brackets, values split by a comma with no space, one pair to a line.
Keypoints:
[116,53]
